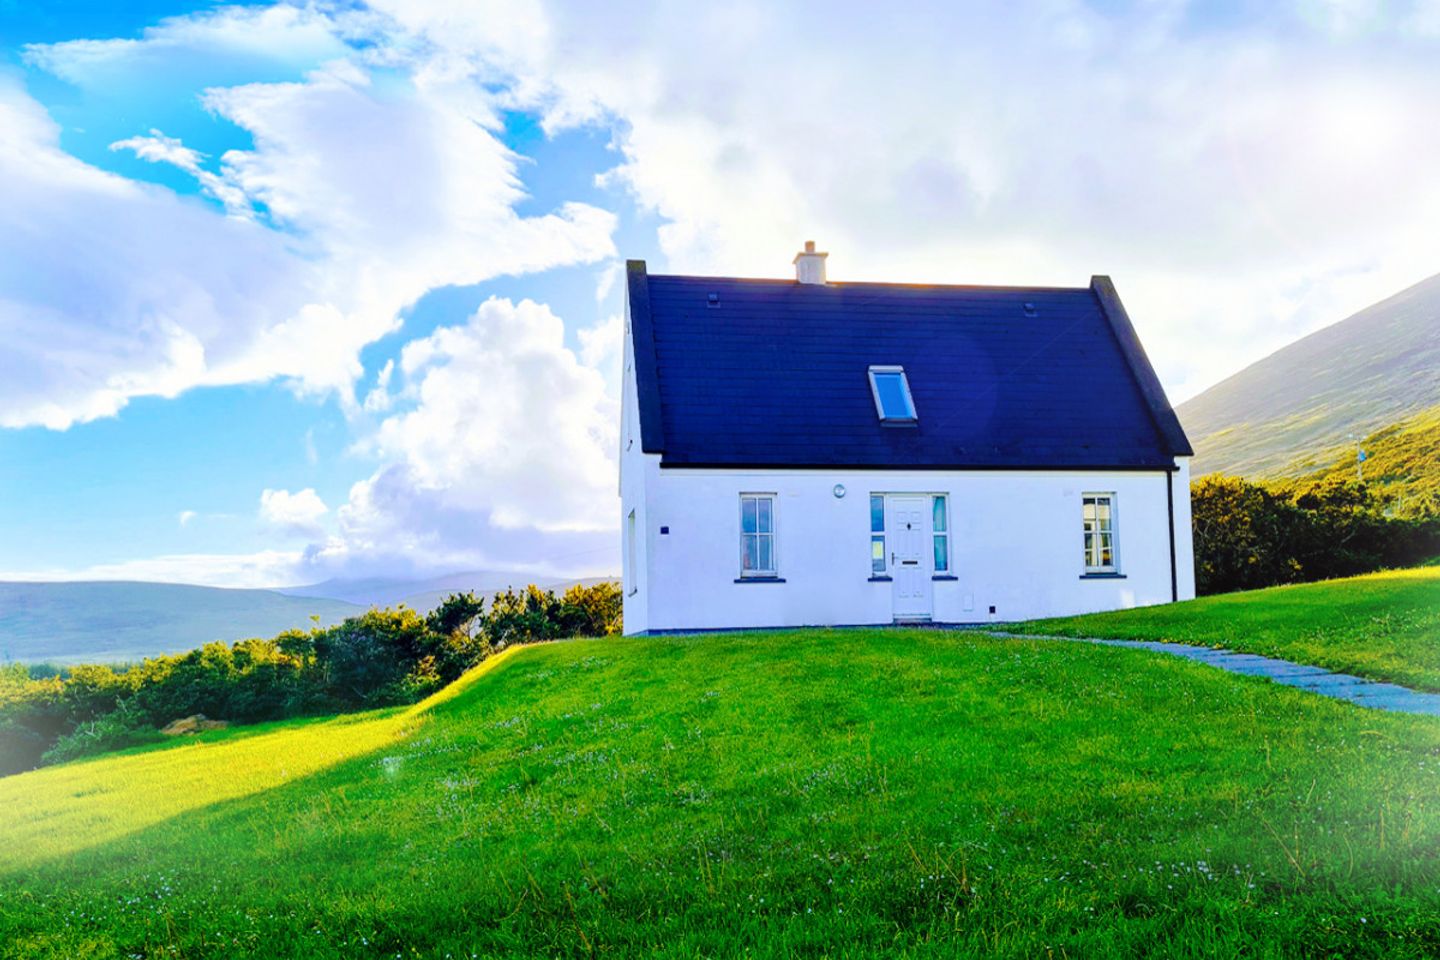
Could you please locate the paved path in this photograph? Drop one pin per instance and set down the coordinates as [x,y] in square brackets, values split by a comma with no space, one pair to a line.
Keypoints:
[1341,686]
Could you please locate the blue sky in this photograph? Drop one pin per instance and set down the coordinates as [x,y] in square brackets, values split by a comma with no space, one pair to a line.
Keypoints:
[306,290]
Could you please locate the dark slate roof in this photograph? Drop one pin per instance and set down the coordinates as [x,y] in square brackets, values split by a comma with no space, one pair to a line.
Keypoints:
[775,374]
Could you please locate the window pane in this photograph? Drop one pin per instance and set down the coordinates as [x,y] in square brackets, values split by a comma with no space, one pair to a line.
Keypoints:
[890,387]
[942,553]
[767,554]
[1090,552]
[748,510]
[940,515]
[877,514]
[877,554]
[1089,509]
[767,523]
[1102,511]
[750,551]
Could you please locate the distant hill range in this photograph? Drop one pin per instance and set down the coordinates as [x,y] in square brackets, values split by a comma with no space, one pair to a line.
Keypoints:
[1293,412]
[114,620]
[110,621]
[423,595]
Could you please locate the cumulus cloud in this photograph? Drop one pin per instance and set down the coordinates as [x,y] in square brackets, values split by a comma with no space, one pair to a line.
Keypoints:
[296,513]
[498,451]
[506,421]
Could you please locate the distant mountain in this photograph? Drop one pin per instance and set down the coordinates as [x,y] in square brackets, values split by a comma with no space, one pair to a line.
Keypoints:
[110,621]
[1289,413]
[424,595]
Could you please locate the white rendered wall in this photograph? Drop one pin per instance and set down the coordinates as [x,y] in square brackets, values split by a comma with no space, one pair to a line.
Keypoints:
[634,558]
[1016,545]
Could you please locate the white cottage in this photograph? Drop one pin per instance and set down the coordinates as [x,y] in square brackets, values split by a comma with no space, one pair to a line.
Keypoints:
[806,453]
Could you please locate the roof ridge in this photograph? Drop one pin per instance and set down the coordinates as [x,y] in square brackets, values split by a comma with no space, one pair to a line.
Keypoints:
[908,285]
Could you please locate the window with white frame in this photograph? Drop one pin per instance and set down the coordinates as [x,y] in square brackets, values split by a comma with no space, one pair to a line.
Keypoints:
[891,390]
[757,535]
[1099,514]
[940,530]
[877,535]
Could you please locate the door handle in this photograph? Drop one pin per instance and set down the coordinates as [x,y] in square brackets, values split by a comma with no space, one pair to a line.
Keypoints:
[892,558]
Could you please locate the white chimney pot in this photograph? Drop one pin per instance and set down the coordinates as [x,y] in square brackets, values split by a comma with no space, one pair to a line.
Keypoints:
[809,265]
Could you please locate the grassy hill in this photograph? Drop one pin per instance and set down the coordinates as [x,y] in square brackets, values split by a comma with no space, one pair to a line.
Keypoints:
[113,621]
[1357,376]
[1385,626]
[1402,464]
[842,793]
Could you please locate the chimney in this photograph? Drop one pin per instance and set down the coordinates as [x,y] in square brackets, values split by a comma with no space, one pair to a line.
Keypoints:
[810,266]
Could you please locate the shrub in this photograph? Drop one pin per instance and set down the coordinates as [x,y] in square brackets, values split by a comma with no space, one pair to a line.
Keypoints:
[125,726]
[1248,535]
[592,611]
[379,658]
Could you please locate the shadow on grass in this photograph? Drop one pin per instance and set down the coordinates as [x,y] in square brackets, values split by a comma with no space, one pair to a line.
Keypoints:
[57,812]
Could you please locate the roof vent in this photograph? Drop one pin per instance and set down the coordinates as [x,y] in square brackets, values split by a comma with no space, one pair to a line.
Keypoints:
[712,301]
[809,265]
[1031,310]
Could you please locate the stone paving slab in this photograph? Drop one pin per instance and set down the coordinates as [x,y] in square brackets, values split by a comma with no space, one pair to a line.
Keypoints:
[1339,686]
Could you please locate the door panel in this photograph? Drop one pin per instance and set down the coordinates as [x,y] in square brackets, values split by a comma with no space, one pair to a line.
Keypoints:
[907,530]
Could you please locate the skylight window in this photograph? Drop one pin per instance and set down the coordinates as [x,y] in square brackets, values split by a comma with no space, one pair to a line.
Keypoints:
[892,395]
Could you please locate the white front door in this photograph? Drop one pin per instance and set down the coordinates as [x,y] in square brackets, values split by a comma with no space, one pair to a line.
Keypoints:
[907,532]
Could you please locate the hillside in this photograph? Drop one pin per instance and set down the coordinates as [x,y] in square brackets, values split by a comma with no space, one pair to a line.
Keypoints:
[857,793]
[1384,626]
[1402,464]
[111,621]
[1357,376]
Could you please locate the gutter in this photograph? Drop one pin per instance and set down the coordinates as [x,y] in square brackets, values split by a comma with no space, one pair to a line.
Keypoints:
[1170,510]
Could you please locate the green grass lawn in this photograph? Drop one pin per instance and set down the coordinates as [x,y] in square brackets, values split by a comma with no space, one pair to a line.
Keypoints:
[819,793]
[1385,626]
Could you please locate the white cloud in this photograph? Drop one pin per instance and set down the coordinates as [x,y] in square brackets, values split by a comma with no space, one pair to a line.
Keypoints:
[507,422]
[1243,183]
[498,453]
[231,40]
[158,148]
[266,568]
[602,345]
[111,289]
[185,516]
[296,513]
[365,196]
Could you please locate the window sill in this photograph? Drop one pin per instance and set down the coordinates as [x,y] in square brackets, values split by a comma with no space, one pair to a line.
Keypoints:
[881,579]
[944,576]
[759,579]
[1102,576]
